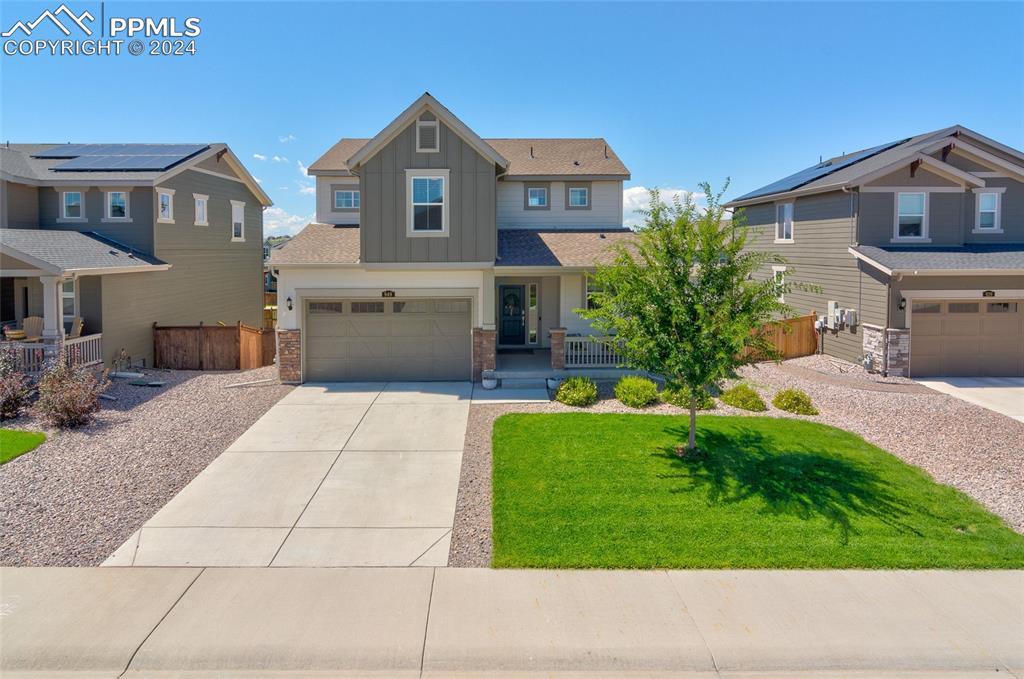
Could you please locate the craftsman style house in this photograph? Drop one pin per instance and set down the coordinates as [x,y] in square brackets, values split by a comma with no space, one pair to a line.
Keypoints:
[438,255]
[100,241]
[914,249]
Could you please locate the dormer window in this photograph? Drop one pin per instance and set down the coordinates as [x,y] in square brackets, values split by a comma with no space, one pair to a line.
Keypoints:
[427,137]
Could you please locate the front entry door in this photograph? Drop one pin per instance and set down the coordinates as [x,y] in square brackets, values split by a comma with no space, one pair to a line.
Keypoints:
[512,322]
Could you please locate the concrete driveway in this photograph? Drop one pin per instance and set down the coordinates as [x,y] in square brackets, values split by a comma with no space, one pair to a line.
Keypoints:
[362,474]
[1000,394]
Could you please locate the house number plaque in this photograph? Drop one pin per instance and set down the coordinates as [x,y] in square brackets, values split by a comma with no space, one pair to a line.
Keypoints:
[387,293]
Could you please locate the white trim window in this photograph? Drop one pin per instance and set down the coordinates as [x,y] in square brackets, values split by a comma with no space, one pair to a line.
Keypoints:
[428,136]
[590,286]
[202,209]
[69,300]
[911,216]
[537,196]
[72,205]
[428,202]
[116,206]
[579,196]
[987,212]
[346,199]
[784,223]
[237,221]
[165,206]
[779,278]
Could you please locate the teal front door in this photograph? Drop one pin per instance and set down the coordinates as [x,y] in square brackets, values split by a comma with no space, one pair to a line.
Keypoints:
[512,320]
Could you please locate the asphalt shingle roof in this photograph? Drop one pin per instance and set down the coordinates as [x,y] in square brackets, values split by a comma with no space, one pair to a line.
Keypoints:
[17,160]
[73,250]
[319,244]
[529,247]
[908,259]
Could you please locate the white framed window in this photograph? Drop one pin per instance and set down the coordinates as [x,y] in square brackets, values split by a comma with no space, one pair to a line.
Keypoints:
[428,202]
[784,223]
[911,216]
[117,206]
[237,221]
[427,136]
[72,206]
[536,196]
[779,276]
[579,196]
[165,206]
[69,300]
[987,213]
[346,200]
[590,286]
[202,209]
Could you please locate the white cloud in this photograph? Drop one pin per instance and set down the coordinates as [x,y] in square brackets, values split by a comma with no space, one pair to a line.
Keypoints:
[279,159]
[259,156]
[639,197]
[287,138]
[279,222]
[307,190]
[258,180]
[303,170]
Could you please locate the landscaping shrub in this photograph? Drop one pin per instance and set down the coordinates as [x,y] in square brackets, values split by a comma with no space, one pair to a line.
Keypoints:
[577,391]
[680,397]
[636,392]
[794,401]
[743,396]
[14,385]
[68,395]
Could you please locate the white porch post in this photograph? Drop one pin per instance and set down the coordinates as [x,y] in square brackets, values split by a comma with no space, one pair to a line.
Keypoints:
[53,321]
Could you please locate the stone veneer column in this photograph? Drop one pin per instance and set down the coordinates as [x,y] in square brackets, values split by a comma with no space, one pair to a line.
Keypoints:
[557,348]
[874,345]
[484,351]
[289,356]
[897,344]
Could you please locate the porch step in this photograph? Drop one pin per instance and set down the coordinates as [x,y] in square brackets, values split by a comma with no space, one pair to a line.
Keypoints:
[523,383]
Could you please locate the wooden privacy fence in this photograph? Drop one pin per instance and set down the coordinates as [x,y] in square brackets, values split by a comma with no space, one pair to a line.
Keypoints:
[212,347]
[793,337]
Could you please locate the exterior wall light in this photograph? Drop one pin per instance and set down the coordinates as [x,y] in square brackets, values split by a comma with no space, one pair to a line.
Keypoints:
[902,304]
[288,302]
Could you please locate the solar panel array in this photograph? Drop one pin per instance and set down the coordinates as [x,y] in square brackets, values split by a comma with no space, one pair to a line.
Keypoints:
[803,177]
[120,157]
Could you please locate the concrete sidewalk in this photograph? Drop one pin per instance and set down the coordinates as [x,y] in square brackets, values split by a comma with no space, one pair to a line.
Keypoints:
[109,622]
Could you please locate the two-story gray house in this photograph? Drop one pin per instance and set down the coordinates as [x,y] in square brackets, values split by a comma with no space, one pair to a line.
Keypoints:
[435,251]
[915,248]
[101,241]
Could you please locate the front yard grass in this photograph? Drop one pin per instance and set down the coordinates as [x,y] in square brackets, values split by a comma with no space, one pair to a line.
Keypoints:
[14,442]
[578,490]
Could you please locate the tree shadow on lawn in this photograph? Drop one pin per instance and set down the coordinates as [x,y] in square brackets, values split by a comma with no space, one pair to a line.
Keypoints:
[805,483]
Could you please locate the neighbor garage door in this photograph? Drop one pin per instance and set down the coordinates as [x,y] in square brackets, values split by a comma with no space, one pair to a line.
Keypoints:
[392,339]
[967,338]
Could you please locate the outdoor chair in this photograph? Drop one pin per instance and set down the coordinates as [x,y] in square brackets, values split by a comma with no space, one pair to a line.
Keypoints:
[33,327]
[76,328]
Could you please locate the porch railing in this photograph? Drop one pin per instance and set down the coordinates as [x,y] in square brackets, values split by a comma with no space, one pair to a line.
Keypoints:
[591,352]
[30,355]
[85,350]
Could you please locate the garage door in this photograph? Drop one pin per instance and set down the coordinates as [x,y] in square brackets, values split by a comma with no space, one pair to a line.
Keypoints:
[392,339]
[967,338]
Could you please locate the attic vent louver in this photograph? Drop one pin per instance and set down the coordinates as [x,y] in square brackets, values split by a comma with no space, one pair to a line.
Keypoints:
[426,136]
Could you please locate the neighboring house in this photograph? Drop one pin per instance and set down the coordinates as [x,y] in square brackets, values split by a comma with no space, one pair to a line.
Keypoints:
[434,249]
[123,236]
[917,247]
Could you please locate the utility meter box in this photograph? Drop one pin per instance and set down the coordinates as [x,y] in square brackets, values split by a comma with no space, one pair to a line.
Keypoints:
[832,317]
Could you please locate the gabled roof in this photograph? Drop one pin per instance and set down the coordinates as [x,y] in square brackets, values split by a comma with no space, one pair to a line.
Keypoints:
[38,165]
[943,260]
[425,103]
[63,252]
[319,244]
[854,169]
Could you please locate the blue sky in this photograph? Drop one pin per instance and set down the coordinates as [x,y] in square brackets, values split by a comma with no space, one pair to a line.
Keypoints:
[684,92]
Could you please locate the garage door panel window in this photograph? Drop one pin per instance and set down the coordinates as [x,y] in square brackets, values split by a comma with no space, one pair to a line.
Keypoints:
[417,307]
[963,307]
[326,308]
[926,307]
[453,306]
[367,307]
[1002,307]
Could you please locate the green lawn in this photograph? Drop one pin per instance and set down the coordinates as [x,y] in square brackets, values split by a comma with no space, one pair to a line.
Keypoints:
[14,442]
[583,490]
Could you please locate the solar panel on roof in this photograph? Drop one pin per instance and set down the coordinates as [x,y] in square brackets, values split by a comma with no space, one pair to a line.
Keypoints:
[120,157]
[803,177]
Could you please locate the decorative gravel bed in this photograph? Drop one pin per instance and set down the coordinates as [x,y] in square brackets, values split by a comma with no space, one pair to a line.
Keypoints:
[836,366]
[961,445]
[79,496]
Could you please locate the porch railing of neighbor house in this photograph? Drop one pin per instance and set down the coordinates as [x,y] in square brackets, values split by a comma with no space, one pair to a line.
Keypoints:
[85,350]
[591,352]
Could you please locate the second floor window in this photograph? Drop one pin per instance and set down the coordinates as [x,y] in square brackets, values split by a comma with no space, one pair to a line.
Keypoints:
[202,203]
[988,212]
[428,204]
[165,206]
[72,207]
[579,196]
[536,196]
[237,220]
[346,200]
[784,223]
[117,205]
[910,215]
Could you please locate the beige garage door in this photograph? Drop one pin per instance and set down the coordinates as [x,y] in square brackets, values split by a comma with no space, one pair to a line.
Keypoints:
[391,339]
[967,338]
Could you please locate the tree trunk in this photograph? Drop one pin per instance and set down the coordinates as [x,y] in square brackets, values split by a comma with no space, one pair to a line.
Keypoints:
[691,444]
